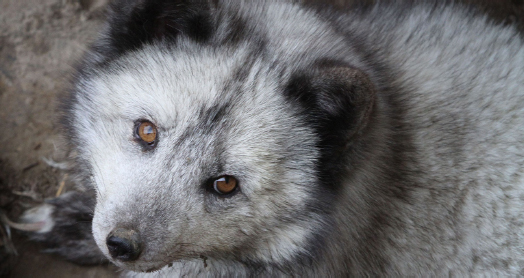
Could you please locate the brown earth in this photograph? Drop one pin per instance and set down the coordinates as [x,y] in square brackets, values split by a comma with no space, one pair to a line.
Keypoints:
[40,42]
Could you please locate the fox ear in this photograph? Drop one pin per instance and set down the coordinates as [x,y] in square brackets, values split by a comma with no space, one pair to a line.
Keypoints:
[336,98]
[133,23]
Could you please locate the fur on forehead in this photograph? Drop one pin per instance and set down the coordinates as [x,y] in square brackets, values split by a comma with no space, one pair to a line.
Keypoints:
[135,24]
[155,79]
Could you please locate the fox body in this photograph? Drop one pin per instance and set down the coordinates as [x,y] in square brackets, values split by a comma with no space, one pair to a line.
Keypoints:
[386,140]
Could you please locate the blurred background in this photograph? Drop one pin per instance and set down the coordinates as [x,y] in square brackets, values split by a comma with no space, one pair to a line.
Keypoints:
[40,43]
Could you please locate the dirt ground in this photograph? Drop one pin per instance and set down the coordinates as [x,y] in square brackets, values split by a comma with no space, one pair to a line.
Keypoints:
[40,42]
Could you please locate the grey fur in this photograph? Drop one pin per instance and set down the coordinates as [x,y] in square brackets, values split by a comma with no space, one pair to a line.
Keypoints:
[70,235]
[382,141]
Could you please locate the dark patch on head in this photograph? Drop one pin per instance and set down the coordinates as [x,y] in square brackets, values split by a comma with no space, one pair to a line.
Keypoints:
[389,183]
[131,25]
[337,100]
[241,73]
[208,120]
[200,27]
[211,117]
[237,30]
[337,96]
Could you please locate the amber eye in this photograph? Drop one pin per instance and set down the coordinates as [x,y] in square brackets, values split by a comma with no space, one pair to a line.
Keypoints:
[225,184]
[147,132]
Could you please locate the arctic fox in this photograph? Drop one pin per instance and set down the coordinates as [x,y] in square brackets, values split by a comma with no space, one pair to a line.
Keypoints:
[270,138]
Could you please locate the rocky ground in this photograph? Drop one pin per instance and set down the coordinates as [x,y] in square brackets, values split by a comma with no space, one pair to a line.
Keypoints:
[40,42]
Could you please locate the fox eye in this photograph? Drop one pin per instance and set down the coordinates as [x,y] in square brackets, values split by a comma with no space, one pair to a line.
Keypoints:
[146,132]
[225,185]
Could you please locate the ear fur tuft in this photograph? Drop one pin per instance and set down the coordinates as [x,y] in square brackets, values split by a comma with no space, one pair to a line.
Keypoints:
[337,99]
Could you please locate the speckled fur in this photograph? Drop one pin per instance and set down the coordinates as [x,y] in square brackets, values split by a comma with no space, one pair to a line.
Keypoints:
[419,174]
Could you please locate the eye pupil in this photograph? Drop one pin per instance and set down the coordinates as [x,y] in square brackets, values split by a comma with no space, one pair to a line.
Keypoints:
[225,184]
[147,132]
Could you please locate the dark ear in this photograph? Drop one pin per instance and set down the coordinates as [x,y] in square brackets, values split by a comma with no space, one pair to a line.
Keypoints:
[336,98]
[133,23]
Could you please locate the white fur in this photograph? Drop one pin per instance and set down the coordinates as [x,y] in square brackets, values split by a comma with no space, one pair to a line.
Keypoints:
[460,87]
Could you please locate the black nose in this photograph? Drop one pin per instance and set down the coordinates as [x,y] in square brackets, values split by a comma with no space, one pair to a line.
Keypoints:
[124,245]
